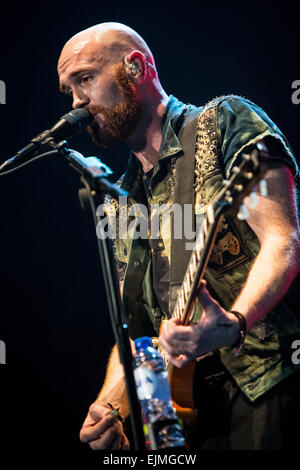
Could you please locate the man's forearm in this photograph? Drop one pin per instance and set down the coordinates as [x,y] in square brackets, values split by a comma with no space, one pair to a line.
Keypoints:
[273,271]
[114,387]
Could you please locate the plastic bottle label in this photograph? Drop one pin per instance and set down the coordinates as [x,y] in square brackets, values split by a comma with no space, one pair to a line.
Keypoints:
[150,385]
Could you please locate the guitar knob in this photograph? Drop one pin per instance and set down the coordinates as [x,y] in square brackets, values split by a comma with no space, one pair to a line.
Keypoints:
[253,201]
[243,213]
[263,188]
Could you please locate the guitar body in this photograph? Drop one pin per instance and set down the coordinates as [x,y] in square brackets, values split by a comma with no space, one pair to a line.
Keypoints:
[181,382]
[181,385]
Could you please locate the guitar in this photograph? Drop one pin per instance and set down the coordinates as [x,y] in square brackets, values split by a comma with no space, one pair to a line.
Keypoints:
[228,201]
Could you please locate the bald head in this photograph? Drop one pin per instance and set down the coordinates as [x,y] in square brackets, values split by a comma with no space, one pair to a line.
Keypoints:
[109,70]
[106,43]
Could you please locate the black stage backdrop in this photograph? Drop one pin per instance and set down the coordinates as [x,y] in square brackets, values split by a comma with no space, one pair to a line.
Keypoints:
[53,312]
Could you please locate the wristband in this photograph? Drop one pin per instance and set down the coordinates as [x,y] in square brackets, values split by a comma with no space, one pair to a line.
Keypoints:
[243,330]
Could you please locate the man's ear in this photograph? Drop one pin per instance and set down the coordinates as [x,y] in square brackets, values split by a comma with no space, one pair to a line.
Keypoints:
[135,63]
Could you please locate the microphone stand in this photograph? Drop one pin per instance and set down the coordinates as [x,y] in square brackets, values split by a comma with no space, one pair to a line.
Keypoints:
[93,175]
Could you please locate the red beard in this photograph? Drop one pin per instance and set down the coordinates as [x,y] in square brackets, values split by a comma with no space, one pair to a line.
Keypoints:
[121,120]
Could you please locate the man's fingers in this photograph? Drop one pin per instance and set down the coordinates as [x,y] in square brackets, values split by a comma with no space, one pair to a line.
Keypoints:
[102,431]
[179,361]
[172,347]
[96,412]
[174,329]
[111,440]
[207,301]
[176,339]
[90,432]
[116,442]
[105,441]
[125,444]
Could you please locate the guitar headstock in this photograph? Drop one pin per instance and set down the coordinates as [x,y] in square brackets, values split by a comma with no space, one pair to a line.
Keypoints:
[244,177]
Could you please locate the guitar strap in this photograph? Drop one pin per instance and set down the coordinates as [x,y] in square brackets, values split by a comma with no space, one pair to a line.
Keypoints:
[184,194]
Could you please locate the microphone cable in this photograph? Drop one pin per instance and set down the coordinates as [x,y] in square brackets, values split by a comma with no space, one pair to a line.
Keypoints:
[45,154]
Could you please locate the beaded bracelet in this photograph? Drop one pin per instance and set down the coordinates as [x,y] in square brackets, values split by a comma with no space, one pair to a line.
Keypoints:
[243,330]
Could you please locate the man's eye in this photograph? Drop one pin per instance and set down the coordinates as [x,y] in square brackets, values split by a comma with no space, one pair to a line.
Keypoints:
[86,78]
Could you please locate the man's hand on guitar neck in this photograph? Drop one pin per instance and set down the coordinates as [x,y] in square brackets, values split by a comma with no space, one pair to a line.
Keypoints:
[216,328]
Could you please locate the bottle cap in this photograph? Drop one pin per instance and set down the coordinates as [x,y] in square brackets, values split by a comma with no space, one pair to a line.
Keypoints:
[142,343]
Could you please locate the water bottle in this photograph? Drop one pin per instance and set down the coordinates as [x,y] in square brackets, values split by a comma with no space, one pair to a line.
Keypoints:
[160,421]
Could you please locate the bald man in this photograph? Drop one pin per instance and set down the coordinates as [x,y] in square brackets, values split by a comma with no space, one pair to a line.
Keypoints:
[109,70]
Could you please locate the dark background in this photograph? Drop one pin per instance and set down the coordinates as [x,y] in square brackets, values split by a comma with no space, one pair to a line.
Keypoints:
[53,311]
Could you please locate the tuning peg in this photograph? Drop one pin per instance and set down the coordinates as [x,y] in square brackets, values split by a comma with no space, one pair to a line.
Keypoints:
[249,175]
[253,201]
[228,197]
[263,188]
[243,213]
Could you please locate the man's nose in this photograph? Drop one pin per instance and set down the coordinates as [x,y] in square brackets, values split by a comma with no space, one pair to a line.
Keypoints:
[79,100]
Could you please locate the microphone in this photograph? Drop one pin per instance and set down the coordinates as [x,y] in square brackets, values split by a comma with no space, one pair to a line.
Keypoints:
[67,126]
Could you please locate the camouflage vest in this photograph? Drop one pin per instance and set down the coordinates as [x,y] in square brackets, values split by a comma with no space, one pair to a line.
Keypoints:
[266,356]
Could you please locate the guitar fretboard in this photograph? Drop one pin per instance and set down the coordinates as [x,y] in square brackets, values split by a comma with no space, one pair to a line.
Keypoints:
[195,270]
[196,266]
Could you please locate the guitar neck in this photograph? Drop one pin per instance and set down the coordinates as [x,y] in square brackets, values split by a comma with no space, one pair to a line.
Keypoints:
[196,267]
[228,201]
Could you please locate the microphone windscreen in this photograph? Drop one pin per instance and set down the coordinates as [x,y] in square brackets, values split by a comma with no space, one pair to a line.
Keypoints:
[79,116]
